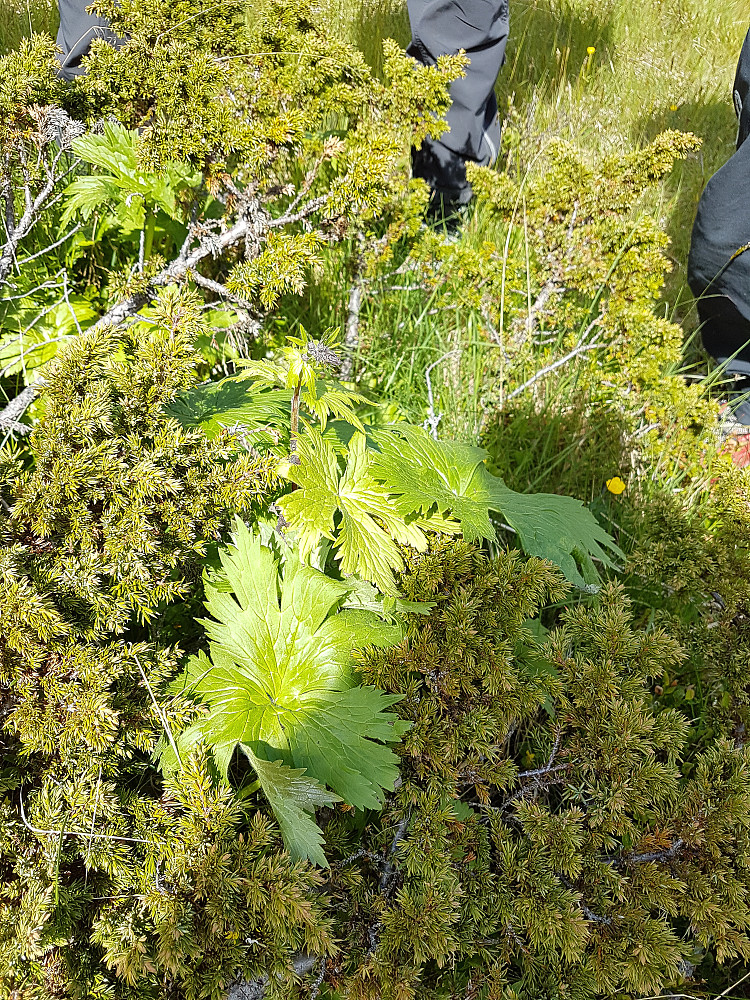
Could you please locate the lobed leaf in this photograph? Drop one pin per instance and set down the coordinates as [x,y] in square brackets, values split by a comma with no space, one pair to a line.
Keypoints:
[423,475]
[293,796]
[279,683]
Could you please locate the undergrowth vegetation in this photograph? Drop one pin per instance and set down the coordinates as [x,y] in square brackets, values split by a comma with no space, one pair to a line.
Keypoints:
[373,605]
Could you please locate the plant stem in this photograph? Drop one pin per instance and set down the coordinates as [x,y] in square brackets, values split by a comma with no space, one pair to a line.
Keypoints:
[295,418]
[150,230]
[57,865]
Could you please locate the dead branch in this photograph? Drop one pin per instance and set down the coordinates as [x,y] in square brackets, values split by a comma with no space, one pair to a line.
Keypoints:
[171,274]
[52,246]
[10,416]
[221,290]
[33,205]
[580,348]
[528,323]
[251,227]
[351,337]
[588,913]
[666,855]
[256,988]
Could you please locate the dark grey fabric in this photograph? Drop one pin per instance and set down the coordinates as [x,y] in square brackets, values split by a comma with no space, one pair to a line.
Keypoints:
[77,31]
[742,92]
[480,27]
[718,268]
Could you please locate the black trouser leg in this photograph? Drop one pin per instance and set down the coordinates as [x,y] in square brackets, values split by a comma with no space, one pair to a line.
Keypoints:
[480,27]
[77,31]
[725,333]
[742,92]
[719,263]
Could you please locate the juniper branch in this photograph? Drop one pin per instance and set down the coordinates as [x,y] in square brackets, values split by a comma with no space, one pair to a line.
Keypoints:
[221,290]
[666,855]
[74,833]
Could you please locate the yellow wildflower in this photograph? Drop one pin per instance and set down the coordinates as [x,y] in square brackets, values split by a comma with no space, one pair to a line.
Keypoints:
[591,50]
[615,485]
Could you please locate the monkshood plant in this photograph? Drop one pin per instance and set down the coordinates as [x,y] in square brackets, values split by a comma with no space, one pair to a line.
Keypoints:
[361,491]
[280,686]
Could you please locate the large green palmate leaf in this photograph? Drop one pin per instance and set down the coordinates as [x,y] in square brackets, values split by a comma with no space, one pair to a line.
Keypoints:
[279,683]
[422,475]
[412,483]
[369,525]
[228,404]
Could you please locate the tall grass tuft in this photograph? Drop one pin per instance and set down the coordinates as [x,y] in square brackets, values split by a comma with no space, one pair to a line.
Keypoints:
[20,18]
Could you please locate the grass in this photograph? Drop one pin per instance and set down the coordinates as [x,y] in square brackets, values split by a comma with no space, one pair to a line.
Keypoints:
[656,65]
[19,18]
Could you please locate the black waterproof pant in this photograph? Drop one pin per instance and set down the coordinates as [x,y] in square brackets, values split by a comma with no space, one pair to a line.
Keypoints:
[719,267]
[480,27]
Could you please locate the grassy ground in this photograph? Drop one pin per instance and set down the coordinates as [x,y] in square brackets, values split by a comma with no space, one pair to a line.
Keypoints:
[18,18]
[658,64]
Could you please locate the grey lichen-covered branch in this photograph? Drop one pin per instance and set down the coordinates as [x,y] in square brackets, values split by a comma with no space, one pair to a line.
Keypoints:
[10,417]
[256,988]
[304,964]
[17,230]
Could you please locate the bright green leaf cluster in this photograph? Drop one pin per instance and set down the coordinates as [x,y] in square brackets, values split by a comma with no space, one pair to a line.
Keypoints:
[280,685]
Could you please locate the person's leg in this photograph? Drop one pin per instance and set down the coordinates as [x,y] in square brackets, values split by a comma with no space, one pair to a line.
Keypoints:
[77,31]
[480,27]
[742,92]
[725,333]
[719,261]
[719,264]
[726,337]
